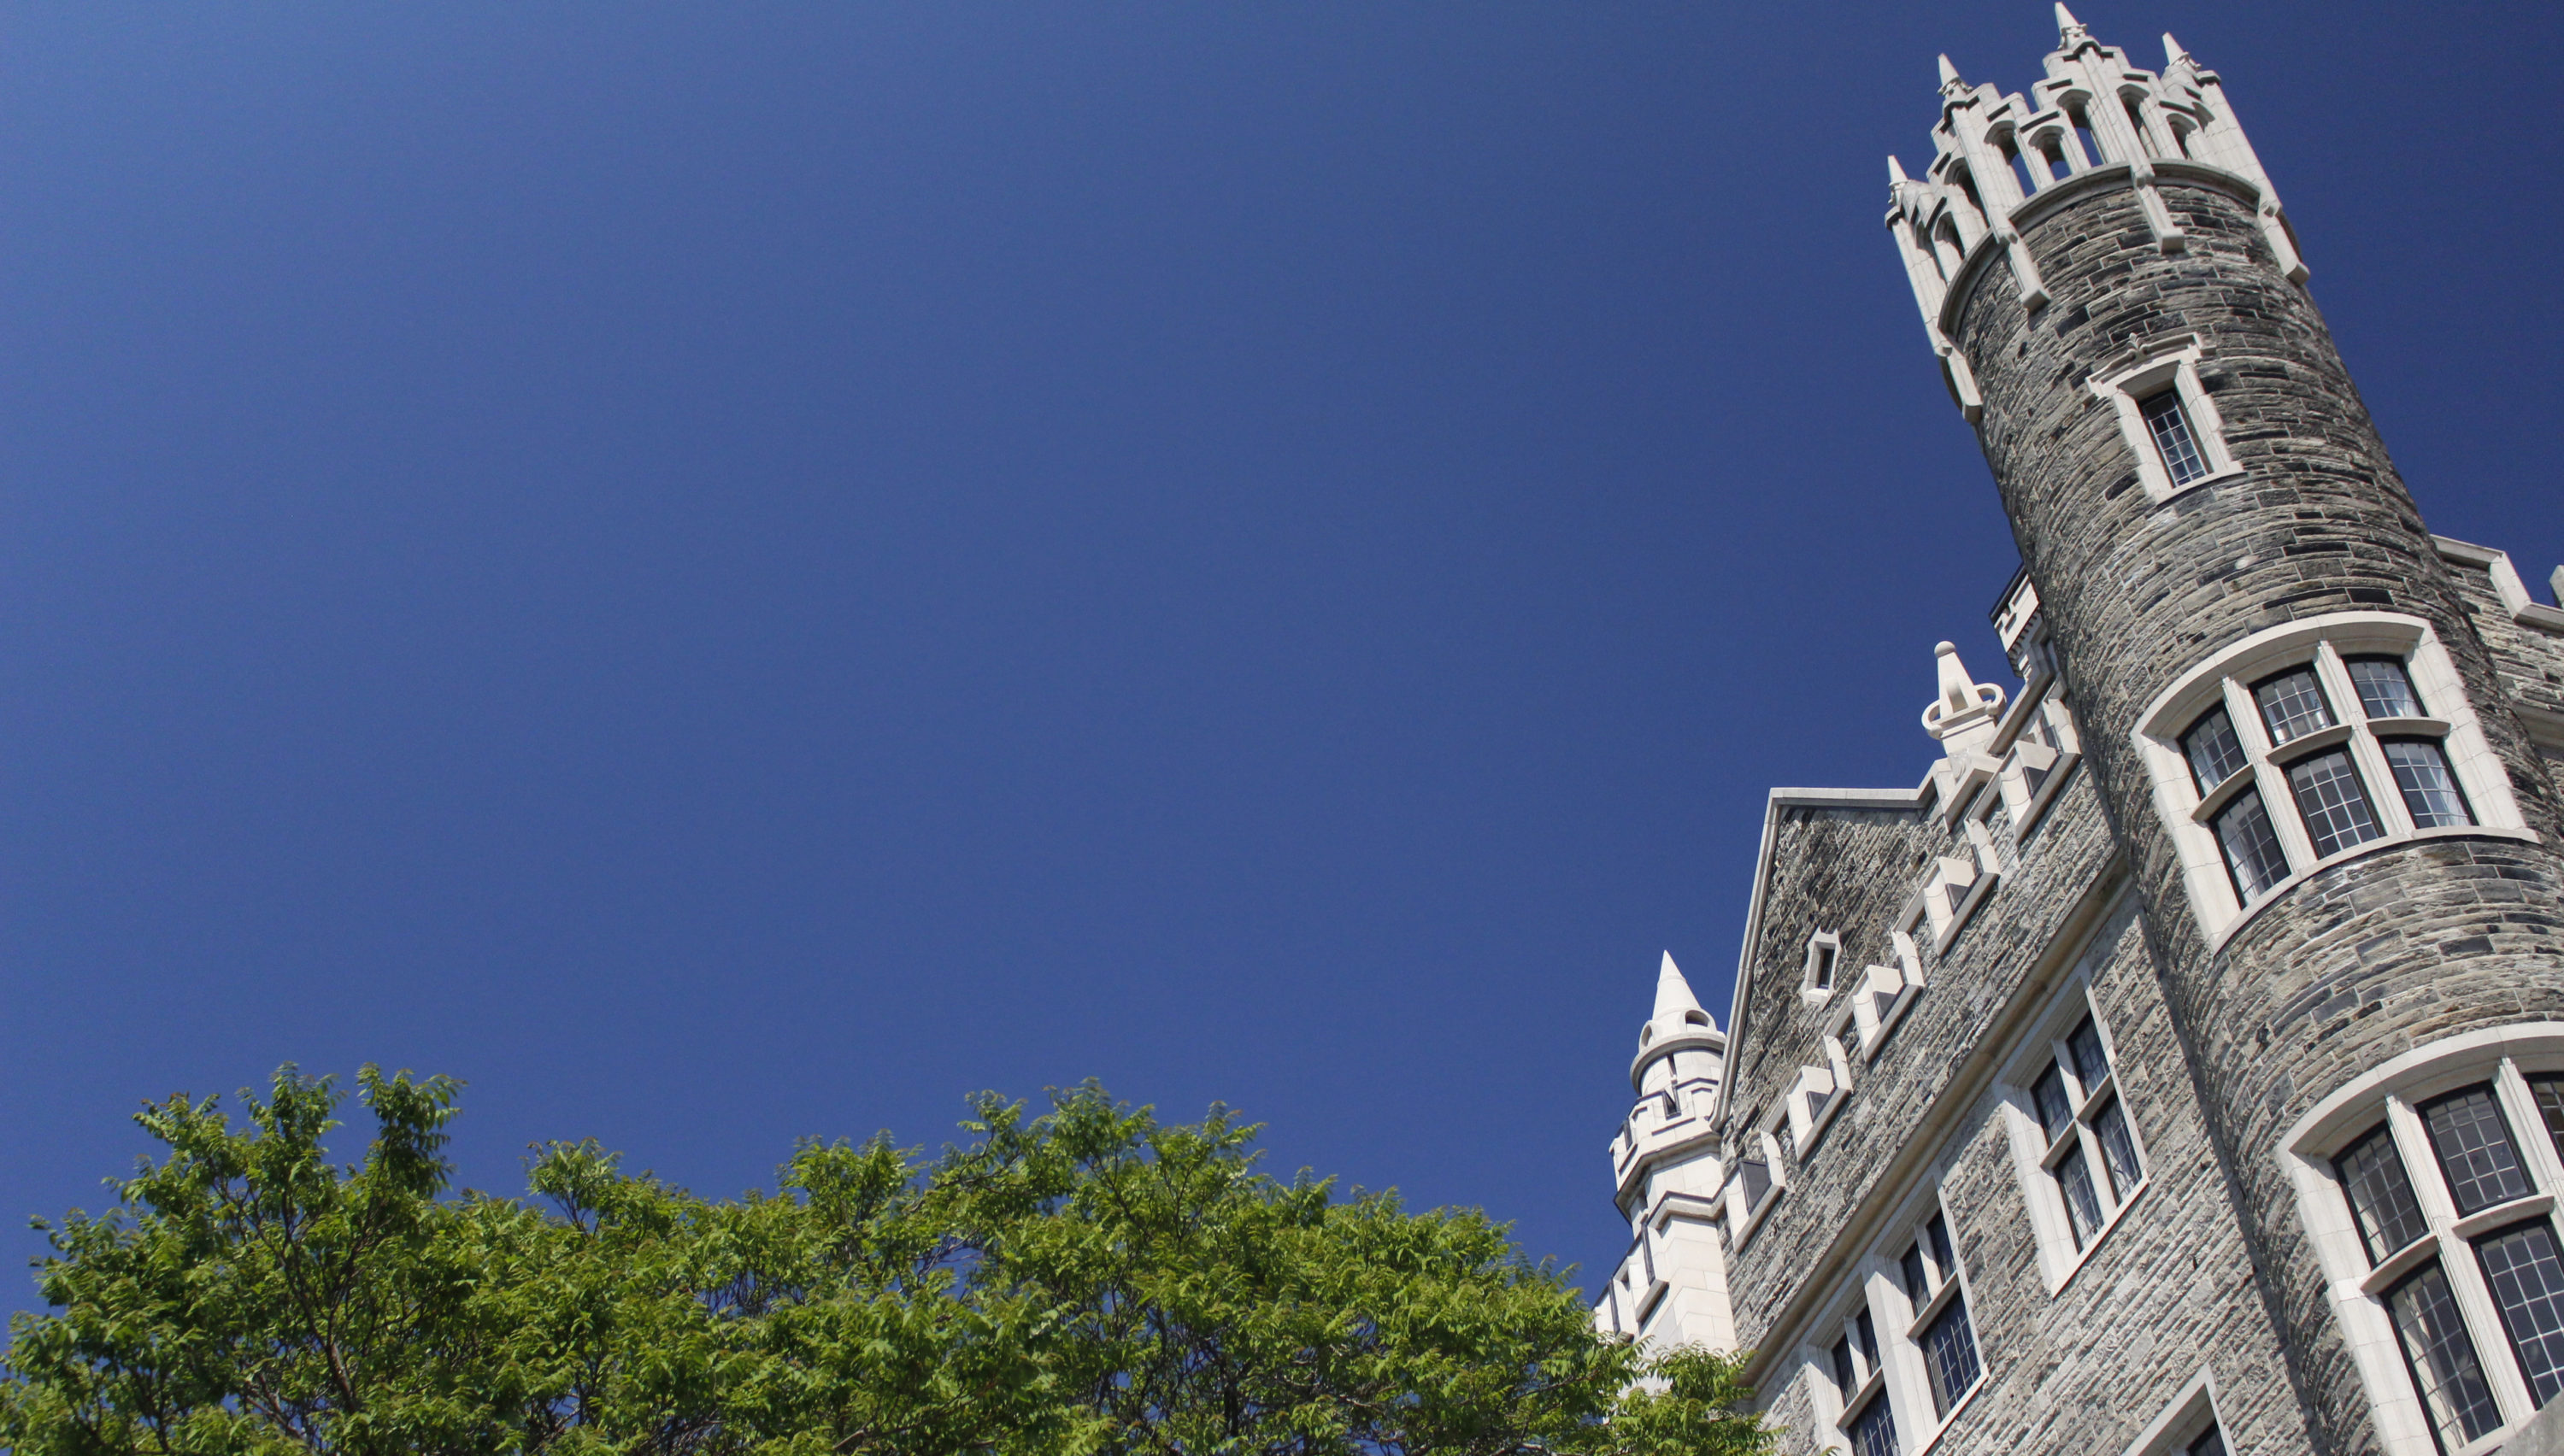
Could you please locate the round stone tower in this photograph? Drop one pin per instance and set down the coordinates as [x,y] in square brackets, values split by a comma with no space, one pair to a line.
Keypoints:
[2345,846]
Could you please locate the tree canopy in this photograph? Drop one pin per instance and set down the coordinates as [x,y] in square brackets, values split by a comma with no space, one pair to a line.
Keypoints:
[1089,1280]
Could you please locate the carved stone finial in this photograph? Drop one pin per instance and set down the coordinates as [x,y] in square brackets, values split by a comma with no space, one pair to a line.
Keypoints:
[1951,86]
[1963,710]
[2069,31]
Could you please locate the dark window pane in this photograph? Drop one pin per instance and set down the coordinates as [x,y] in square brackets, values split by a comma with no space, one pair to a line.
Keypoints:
[1950,1355]
[2336,806]
[1936,1234]
[2118,1149]
[2054,1113]
[2381,1194]
[2091,1064]
[1865,1335]
[2548,1091]
[2527,1283]
[2169,427]
[2292,704]
[2430,791]
[2384,691]
[1873,1430]
[2472,1141]
[2211,1442]
[2211,747]
[1917,1288]
[1757,1177]
[1845,1380]
[2252,853]
[2082,1209]
[2441,1358]
[1824,967]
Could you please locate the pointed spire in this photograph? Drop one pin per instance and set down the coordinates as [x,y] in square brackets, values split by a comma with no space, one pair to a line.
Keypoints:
[2174,55]
[2069,31]
[1896,173]
[1673,994]
[1949,75]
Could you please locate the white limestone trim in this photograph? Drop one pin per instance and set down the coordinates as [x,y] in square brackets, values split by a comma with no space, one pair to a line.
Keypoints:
[2506,583]
[1815,1097]
[1824,969]
[2185,1418]
[2502,1055]
[2225,677]
[2173,362]
[2026,798]
[1957,884]
[1887,992]
[1743,1218]
[2075,937]
[2035,1161]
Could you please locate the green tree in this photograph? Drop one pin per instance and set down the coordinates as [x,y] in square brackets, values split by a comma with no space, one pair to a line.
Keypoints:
[1086,1281]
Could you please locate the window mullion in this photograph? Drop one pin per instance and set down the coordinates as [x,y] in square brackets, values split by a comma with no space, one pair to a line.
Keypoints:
[2279,802]
[2458,1261]
[2097,1160]
[2385,799]
[2519,1105]
[1906,1387]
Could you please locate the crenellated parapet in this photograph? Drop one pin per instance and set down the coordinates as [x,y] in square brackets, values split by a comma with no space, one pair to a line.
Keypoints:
[1999,160]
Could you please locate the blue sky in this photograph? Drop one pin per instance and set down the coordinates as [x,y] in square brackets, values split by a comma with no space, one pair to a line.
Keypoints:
[729,573]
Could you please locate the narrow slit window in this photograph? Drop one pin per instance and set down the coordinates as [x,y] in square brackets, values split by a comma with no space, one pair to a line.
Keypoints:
[2335,808]
[1825,977]
[1756,1175]
[2174,440]
[2429,790]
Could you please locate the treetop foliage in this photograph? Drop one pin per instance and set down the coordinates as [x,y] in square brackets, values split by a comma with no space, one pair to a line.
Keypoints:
[1088,1282]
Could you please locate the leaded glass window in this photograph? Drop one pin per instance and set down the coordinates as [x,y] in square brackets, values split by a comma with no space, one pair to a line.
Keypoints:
[2548,1093]
[2252,846]
[2211,749]
[2169,424]
[2118,1149]
[1950,1353]
[2527,1279]
[2430,791]
[2381,1194]
[2334,804]
[2385,689]
[2082,1205]
[1873,1430]
[2473,1145]
[2441,1357]
[2292,704]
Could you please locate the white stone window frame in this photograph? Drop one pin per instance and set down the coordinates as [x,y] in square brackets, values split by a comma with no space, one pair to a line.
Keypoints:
[2225,680]
[2189,1416]
[1743,1219]
[1886,992]
[2173,364]
[1903,1380]
[1815,1097]
[2025,752]
[2505,1056]
[1819,947]
[1834,1405]
[2035,1161]
[1958,883]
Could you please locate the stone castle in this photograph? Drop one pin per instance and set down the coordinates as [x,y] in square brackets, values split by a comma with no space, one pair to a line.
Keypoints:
[2179,1066]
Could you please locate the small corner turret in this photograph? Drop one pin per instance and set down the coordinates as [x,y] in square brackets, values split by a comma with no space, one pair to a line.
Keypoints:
[1671,1286]
[1999,161]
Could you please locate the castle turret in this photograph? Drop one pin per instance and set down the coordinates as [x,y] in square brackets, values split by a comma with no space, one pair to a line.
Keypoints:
[2343,844]
[1671,1286]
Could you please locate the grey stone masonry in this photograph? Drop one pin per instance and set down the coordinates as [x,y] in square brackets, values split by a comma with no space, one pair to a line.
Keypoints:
[2147,1234]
